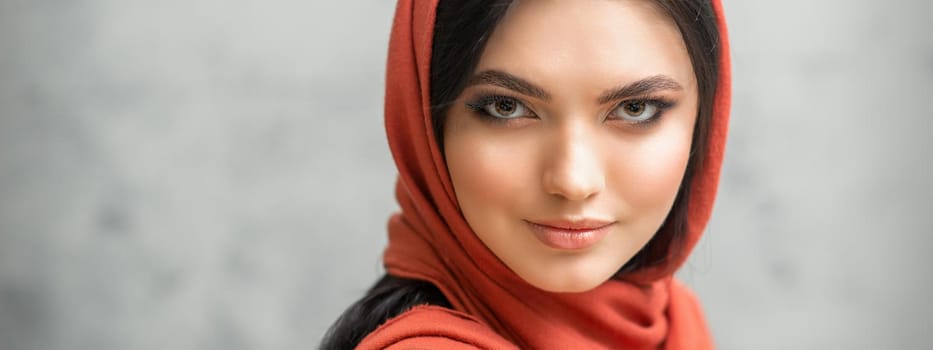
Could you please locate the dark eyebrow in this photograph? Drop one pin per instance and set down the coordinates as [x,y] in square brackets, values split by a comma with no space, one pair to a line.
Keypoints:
[640,88]
[522,86]
[508,81]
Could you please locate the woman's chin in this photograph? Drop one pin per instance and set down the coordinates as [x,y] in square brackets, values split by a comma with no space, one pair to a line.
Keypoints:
[569,281]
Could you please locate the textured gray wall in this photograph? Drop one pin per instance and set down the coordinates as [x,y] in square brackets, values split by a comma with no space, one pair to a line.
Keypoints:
[214,175]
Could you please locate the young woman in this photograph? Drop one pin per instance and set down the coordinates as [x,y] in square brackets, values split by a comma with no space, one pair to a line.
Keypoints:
[557,162]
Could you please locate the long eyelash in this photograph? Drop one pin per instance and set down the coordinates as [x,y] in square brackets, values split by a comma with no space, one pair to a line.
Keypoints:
[478,105]
[663,104]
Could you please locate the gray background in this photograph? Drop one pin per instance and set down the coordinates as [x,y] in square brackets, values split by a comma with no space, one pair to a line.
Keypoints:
[213,175]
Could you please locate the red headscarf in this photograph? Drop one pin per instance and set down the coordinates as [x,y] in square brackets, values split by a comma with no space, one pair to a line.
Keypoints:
[430,240]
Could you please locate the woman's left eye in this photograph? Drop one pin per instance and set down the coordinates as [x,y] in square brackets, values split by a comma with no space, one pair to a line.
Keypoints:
[638,111]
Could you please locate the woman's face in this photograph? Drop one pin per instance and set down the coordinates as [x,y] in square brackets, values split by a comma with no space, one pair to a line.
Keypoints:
[568,146]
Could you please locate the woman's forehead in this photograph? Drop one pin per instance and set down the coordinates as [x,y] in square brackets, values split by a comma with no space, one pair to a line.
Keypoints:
[585,44]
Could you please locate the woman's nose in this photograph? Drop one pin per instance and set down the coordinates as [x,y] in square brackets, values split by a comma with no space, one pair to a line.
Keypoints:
[573,167]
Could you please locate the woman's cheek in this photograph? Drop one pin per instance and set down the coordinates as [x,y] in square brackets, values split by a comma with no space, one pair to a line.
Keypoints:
[491,172]
[653,170]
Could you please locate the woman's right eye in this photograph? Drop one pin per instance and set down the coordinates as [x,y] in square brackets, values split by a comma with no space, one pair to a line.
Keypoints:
[501,107]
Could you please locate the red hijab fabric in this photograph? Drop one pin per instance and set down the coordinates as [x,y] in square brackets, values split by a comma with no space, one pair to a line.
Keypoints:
[494,308]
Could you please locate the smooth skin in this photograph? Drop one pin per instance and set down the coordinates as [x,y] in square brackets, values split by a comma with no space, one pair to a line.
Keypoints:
[565,140]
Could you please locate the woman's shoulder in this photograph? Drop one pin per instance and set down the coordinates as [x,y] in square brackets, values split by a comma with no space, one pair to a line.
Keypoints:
[434,327]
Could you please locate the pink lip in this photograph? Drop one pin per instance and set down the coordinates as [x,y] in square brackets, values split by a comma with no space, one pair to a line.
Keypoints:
[570,235]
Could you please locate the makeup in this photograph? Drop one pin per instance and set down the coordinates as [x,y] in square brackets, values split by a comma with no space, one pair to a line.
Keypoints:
[570,235]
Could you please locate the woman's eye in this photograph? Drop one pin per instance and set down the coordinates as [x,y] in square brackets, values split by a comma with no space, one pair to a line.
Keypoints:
[637,111]
[505,108]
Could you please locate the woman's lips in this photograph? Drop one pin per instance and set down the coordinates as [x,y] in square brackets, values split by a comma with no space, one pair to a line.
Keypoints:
[570,235]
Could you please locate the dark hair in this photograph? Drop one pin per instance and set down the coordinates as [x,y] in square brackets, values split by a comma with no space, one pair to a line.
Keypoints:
[461,30]
[389,297]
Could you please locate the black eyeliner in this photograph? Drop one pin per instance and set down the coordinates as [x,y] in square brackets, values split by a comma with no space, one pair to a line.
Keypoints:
[478,105]
[662,104]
